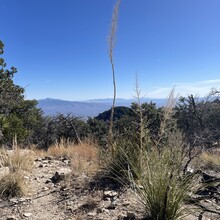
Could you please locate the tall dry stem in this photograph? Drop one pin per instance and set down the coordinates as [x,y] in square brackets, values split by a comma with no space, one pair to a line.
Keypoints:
[168,110]
[111,45]
[140,113]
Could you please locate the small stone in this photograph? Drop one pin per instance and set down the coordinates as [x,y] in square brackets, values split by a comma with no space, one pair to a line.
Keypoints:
[61,174]
[92,214]
[63,188]
[66,161]
[110,194]
[45,188]
[28,214]
[14,200]
[102,210]
[11,218]
[48,181]
[48,158]
[22,200]
[39,159]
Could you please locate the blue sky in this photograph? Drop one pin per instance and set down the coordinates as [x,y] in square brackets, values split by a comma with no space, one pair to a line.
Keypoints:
[60,47]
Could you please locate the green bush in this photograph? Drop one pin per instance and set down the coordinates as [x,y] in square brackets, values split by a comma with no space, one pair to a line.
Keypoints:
[160,183]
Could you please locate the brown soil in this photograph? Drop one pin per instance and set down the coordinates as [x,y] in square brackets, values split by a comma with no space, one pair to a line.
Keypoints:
[80,197]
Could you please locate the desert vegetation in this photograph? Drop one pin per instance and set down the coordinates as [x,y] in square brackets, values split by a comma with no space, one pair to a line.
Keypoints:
[164,155]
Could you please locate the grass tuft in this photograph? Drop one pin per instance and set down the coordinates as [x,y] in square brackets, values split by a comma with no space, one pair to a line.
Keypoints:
[12,185]
[17,159]
[154,167]
[14,163]
[160,185]
[84,156]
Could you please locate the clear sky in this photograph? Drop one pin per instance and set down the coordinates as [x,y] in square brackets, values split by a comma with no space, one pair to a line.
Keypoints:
[60,47]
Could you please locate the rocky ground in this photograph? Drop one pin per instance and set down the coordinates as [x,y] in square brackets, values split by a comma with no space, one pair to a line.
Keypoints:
[56,194]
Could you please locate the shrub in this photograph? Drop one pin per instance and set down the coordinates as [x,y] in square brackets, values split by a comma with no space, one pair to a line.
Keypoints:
[154,167]
[160,184]
[17,159]
[15,162]
[12,185]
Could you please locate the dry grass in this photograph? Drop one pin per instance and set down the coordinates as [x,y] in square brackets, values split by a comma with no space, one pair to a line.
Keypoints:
[17,159]
[12,185]
[211,159]
[84,157]
[15,162]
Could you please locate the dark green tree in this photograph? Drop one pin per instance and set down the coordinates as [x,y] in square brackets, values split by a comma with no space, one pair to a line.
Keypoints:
[18,117]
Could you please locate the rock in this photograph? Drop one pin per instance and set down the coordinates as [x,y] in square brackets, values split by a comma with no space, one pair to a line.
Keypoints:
[38,159]
[91,214]
[14,200]
[22,200]
[47,158]
[66,161]
[45,188]
[61,174]
[110,194]
[28,214]
[11,218]
[48,181]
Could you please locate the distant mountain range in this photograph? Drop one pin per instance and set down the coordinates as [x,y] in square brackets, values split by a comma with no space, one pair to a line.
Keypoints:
[88,108]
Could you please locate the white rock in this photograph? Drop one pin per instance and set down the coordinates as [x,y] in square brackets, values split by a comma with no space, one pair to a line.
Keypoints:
[110,194]
[14,200]
[28,214]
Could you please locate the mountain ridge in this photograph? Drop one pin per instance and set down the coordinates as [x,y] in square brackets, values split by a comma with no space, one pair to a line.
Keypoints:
[87,108]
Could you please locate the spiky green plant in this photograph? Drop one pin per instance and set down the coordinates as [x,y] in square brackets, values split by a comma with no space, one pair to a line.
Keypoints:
[154,169]
[160,184]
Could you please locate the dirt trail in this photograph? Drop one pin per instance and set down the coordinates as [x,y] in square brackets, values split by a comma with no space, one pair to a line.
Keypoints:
[63,197]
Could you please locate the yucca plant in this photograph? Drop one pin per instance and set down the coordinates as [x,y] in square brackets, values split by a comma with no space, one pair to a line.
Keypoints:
[153,166]
[154,169]
[160,184]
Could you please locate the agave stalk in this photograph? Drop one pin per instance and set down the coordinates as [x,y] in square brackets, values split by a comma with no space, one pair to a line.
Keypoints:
[111,45]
